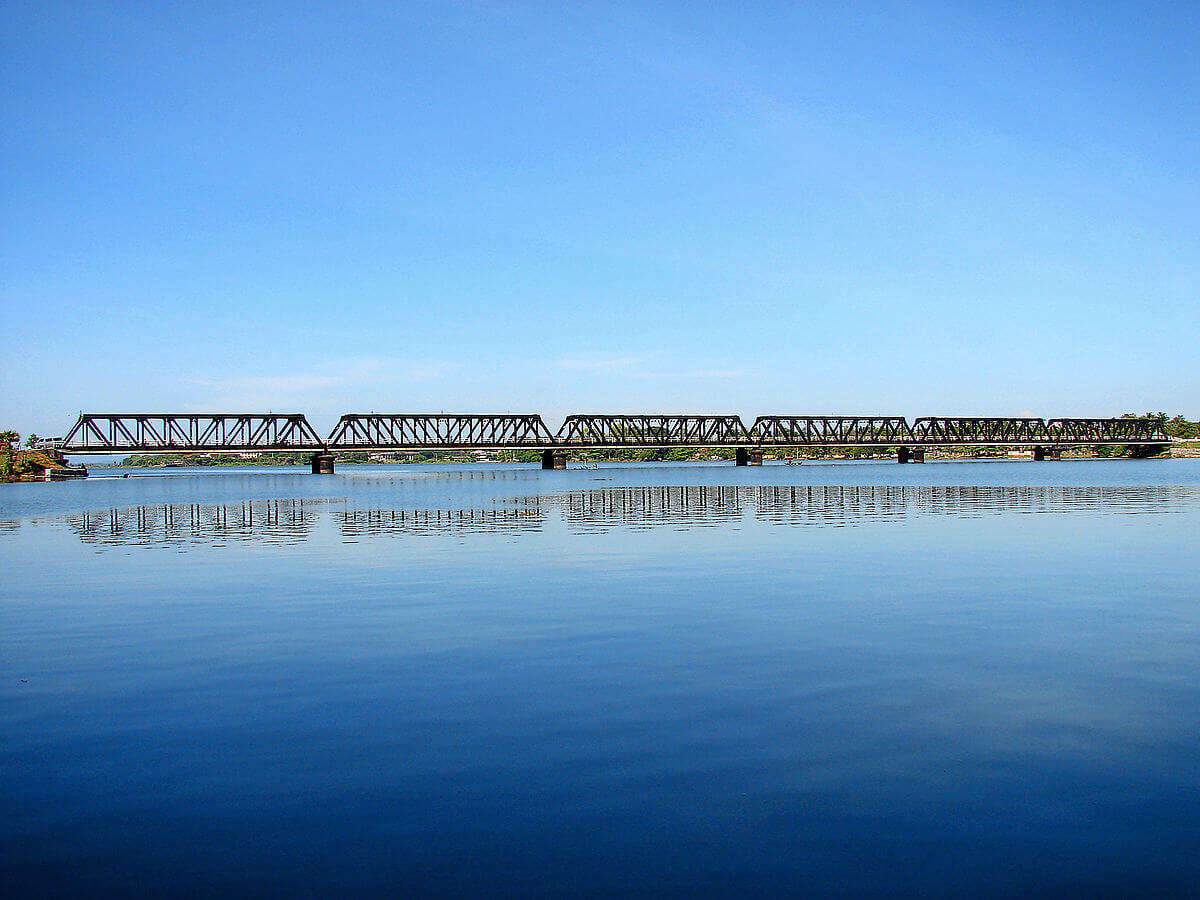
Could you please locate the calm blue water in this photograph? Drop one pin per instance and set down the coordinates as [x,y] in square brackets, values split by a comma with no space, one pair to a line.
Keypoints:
[837,679]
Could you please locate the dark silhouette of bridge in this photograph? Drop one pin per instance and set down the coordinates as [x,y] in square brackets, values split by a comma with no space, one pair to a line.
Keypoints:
[96,433]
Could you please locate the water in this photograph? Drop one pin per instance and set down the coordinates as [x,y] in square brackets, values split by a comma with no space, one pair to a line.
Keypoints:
[850,679]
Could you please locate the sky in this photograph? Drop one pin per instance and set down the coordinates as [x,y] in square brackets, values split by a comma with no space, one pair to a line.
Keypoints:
[794,208]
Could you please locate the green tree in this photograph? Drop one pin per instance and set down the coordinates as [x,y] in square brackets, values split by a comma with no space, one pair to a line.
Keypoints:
[1181,428]
[31,441]
[7,439]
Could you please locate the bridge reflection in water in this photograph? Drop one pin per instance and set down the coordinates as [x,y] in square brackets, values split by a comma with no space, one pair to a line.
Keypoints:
[527,516]
[284,522]
[266,521]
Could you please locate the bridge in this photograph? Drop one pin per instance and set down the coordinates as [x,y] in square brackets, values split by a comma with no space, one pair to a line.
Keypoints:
[97,433]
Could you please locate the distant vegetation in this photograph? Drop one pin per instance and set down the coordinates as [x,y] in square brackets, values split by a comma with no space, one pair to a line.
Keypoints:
[1179,427]
[160,460]
[8,441]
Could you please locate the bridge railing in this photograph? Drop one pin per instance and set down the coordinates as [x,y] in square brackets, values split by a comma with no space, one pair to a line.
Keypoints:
[190,433]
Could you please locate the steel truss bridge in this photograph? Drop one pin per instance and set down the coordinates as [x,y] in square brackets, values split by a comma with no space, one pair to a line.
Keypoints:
[97,433]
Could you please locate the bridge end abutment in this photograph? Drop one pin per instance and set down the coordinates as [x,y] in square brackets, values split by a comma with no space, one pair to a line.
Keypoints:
[322,463]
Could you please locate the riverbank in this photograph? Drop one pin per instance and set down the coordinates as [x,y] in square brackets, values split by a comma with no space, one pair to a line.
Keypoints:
[36,465]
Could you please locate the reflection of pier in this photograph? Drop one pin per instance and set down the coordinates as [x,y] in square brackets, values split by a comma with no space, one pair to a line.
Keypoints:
[678,507]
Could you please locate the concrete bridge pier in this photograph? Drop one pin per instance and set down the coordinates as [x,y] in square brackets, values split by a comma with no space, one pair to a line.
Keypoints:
[910,455]
[554,459]
[747,456]
[322,463]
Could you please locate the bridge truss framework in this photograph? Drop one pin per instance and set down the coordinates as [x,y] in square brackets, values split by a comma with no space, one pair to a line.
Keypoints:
[97,433]
[191,433]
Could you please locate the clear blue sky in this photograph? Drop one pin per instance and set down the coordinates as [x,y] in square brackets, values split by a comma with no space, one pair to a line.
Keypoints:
[899,208]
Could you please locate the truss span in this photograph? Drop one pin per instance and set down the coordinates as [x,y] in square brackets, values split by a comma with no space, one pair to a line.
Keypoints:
[1127,431]
[190,433]
[603,431]
[830,431]
[933,431]
[943,430]
[405,431]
